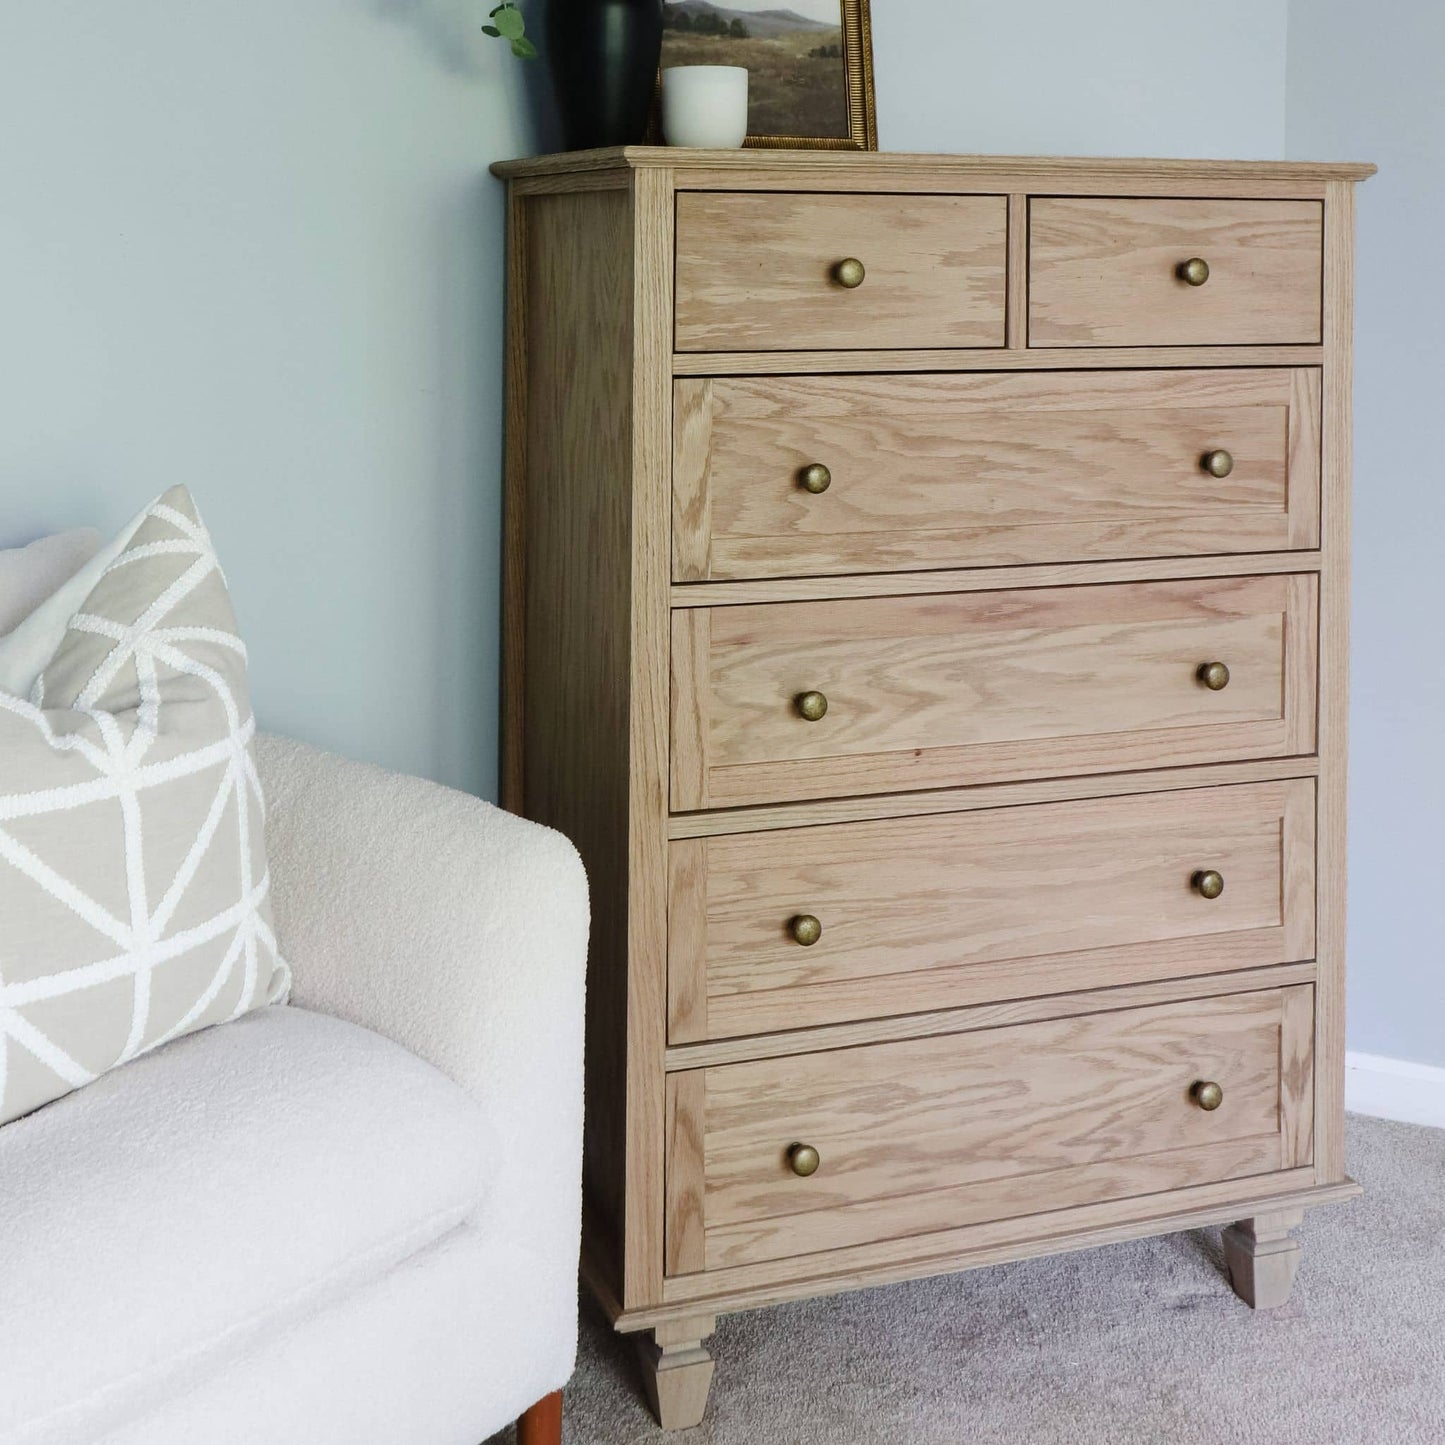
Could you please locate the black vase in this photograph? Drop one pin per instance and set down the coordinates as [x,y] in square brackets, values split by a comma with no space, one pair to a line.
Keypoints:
[603,55]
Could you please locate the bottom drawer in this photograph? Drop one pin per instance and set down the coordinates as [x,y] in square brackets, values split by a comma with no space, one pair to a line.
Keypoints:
[928,1134]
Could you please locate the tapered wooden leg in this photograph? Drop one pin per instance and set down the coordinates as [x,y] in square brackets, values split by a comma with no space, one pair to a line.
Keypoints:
[1262,1257]
[677,1371]
[542,1424]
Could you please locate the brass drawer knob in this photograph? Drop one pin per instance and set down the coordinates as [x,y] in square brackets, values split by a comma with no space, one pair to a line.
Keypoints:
[1217,463]
[815,478]
[1208,883]
[849,272]
[1208,1095]
[811,705]
[1194,271]
[803,1160]
[805,929]
[1214,675]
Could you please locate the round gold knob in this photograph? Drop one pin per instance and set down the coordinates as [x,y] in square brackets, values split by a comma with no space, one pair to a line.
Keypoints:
[805,929]
[803,1160]
[815,478]
[1194,271]
[1217,463]
[849,272]
[811,705]
[1208,1095]
[1208,883]
[1214,675]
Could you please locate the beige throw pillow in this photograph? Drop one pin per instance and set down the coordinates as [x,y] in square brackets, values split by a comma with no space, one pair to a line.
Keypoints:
[134,894]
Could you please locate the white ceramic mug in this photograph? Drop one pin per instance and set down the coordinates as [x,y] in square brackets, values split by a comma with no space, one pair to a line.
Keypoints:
[705,105]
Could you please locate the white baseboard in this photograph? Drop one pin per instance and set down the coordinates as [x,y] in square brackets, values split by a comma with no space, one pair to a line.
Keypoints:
[1395,1089]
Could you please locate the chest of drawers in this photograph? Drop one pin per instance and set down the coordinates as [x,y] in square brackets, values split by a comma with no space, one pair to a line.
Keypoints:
[926,605]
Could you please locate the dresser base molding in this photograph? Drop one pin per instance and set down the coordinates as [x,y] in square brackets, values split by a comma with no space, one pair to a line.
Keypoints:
[1262,1256]
[1065,1231]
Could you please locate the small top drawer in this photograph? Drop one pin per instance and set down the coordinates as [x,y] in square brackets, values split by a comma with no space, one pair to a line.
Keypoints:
[766,272]
[1119,272]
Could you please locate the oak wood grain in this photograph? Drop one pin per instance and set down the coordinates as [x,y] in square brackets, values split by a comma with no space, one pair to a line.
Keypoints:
[953,470]
[681,1057]
[889,361]
[754,273]
[885,168]
[986,579]
[514,514]
[940,912]
[817,812]
[985,687]
[1334,669]
[1017,319]
[932,1133]
[686,1122]
[1103,272]
[646,689]
[979,1245]
[570,488]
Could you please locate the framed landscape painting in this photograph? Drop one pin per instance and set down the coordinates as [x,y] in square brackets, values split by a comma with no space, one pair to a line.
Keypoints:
[809,64]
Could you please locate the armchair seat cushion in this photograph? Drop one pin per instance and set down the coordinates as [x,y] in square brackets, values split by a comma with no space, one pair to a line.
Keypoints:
[160,1223]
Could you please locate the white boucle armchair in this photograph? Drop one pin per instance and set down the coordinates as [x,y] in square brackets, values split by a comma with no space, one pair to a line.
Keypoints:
[288,1231]
[460,932]
[353,1220]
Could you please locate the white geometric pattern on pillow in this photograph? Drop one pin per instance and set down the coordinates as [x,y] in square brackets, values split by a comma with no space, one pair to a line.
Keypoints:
[134,893]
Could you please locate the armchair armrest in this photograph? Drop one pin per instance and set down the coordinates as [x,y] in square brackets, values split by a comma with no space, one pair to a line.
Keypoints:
[459,931]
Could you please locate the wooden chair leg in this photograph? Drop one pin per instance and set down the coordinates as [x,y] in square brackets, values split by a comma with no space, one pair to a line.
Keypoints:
[542,1424]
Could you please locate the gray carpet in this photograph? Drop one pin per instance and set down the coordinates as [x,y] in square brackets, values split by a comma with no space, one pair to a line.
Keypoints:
[1130,1345]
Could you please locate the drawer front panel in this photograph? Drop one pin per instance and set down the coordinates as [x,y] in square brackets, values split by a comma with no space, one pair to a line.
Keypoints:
[757,272]
[929,1134]
[956,689]
[945,911]
[936,471]
[1105,272]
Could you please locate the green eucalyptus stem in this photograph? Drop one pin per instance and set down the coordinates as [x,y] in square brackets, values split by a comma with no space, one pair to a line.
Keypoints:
[508,24]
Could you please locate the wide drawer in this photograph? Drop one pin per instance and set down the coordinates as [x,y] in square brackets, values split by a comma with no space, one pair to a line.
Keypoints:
[808,926]
[806,476]
[961,688]
[929,1134]
[1109,272]
[761,272]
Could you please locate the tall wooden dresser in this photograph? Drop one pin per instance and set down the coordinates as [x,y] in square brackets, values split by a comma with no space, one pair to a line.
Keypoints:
[926,606]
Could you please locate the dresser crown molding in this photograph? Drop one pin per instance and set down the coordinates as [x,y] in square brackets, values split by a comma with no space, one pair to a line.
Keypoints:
[926,607]
[749,164]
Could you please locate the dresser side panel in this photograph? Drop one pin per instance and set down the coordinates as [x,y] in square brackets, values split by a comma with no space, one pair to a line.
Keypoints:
[573,578]
[1334,659]
[650,562]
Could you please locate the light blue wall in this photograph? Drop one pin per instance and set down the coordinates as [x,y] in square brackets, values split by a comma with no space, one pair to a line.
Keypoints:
[254,248]
[1365,83]
[1060,77]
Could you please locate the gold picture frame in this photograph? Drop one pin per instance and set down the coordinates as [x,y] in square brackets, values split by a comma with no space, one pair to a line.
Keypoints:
[855,75]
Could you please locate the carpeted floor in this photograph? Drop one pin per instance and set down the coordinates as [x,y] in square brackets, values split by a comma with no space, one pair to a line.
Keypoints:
[1130,1345]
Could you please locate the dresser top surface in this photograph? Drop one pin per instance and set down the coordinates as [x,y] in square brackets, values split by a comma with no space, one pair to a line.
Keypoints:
[883,163]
